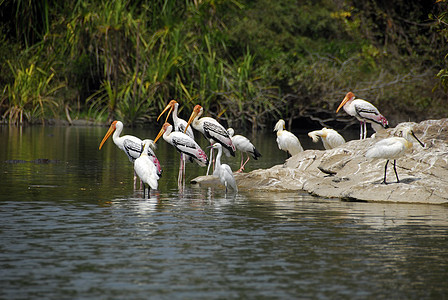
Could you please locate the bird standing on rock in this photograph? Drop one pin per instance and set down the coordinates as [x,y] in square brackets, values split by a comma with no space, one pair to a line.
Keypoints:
[393,148]
[330,137]
[286,140]
[364,111]
[243,144]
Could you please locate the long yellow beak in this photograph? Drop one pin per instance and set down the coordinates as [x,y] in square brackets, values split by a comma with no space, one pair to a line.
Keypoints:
[108,134]
[170,106]
[192,117]
[161,132]
[342,103]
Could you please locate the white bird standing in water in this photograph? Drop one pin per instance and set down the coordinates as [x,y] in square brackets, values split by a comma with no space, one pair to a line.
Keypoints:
[364,111]
[145,169]
[393,148]
[131,145]
[243,144]
[223,171]
[330,137]
[286,140]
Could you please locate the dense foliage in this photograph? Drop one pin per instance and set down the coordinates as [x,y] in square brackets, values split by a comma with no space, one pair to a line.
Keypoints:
[248,62]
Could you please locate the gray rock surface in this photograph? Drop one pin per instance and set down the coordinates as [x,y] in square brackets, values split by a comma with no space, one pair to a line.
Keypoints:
[346,173]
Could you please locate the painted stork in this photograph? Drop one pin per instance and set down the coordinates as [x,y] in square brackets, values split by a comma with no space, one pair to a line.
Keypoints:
[364,111]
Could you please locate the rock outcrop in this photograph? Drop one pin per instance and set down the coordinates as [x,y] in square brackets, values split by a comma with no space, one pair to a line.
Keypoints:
[346,173]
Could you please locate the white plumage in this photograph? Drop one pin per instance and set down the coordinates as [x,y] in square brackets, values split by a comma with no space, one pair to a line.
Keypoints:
[179,124]
[393,148]
[286,140]
[330,137]
[244,145]
[145,169]
[364,111]
[223,171]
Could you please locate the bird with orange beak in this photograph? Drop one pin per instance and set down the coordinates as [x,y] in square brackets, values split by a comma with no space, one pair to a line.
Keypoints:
[184,145]
[212,131]
[179,124]
[365,112]
[131,145]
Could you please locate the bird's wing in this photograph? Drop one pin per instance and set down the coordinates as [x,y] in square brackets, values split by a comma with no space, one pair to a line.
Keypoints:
[132,148]
[289,142]
[334,139]
[215,131]
[184,144]
[243,144]
[368,111]
[226,174]
[181,125]
[146,171]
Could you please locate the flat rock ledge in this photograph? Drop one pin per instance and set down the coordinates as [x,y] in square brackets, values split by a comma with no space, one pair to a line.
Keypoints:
[346,173]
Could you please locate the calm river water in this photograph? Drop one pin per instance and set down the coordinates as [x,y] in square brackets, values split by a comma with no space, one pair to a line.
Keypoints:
[72,227]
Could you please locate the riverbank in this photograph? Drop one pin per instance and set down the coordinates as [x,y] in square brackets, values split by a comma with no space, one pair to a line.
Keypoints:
[346,173]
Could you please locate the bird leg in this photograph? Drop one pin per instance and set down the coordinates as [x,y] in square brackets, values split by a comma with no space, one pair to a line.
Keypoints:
[385,169]
[242,166]
[395,169]
[365,130]
[360,130]
[179,177]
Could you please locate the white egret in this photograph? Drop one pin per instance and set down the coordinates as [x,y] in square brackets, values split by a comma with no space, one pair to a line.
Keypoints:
[286,140]
[244,145]
[364,111]
[330,137]
[145,169]
[393,148]
[223,171]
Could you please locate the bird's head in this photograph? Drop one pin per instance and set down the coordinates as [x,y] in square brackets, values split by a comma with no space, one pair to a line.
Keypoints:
[230,131]
[408,132]
[112,128]
[165,127]
[348,97]
[170,106]
[197,111]
[280,125]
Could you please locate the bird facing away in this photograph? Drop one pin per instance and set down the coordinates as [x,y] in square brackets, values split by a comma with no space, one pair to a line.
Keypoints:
[183,144]
[244,145]
[131,145]
[364,111]
[212,130]
[286,140]
[145,169]
[223,171]
[393,148]
[330,138]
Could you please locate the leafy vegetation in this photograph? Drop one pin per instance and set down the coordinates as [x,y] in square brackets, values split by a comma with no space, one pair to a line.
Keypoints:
[247,62]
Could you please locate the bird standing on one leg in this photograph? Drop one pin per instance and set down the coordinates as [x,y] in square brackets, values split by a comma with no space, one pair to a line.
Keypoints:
[364,111]
[393,148]
[145,169]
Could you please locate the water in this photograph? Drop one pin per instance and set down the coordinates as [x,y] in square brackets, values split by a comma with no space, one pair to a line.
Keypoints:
[74,228]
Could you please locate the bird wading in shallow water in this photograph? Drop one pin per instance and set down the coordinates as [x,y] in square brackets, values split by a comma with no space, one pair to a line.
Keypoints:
[223,171]
[330,137]
[364,111]
[212,131]
[287,141]
[131,145]
[244,145]
[179,125]
[145,169]
[184,145]
[393,148]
